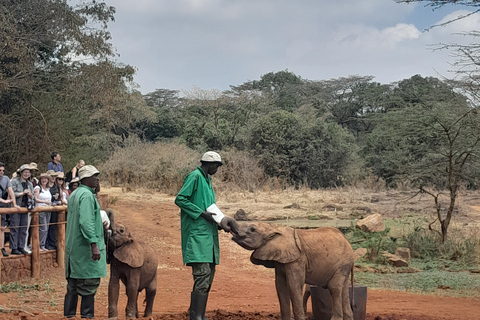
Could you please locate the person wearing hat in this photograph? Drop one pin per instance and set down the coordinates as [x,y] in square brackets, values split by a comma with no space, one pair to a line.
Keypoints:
[55,165]
[23,189]
[74,183]
[33,173]
[7,199]
[43,198]
[199,228]
[85,255]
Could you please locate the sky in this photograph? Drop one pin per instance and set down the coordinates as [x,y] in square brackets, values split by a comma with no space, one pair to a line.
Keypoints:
[213,44]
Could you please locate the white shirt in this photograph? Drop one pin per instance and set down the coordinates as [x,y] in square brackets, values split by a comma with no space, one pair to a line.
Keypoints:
[43,195]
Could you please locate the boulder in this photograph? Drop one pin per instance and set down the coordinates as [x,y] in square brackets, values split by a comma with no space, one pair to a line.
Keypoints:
[359,253]
[403,253]
[395,260]
[240,215]
[372,223]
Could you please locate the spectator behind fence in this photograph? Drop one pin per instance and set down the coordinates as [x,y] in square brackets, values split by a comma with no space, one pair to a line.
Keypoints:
[43,198]
[73,185]
[7,199]
[23,189]
[51,243]
[33,171]
[55,165]
[74,172]
[60,182]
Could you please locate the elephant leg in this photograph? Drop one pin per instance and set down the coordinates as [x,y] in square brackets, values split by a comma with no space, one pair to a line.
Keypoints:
[282,293]
[295,282]
[132,293]
[306,295]
[113,292]
[150,292]
[347,308]
[336,286]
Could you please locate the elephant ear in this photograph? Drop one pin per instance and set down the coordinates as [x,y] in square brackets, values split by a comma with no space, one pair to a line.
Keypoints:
[130,253]
[283,246]
[265,263]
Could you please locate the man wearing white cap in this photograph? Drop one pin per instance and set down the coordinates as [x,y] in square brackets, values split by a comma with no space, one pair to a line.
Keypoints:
[85,258]
[200,245]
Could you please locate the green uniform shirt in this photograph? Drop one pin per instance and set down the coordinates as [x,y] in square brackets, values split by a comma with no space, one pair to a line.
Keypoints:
[199,237]
[84,226]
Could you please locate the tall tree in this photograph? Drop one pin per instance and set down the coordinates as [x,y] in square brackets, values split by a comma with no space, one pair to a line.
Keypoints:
[59,83]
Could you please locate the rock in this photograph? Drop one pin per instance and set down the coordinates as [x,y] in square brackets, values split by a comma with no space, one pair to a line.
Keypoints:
[372,223]
[359,253]
[403,253]
[292,206]
[240,215]
[397,261]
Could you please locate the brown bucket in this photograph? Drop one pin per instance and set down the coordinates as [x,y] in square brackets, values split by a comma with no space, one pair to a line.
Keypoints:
[322,303]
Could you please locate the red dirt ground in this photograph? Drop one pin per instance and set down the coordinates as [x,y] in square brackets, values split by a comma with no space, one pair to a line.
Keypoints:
[240,290]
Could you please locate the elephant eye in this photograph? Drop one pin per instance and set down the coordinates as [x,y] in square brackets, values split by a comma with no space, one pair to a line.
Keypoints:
[121,230]
[252,229]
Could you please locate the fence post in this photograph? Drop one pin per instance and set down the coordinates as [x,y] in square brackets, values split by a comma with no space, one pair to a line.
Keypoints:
[61,240]
[35,241]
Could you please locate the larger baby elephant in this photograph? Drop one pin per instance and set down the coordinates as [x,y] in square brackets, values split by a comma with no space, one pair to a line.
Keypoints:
[321,257]
[135,263]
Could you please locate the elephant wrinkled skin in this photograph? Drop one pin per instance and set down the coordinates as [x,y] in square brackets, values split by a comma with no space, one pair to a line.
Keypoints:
[321,257]
[135,264]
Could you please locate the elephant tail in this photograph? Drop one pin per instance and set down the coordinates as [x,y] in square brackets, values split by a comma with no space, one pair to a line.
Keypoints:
[353,287]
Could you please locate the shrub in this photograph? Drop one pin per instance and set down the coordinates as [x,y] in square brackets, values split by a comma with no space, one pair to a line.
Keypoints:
[160,166]
[163,166]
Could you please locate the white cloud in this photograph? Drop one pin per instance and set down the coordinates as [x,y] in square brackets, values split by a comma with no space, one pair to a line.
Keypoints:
[217,43]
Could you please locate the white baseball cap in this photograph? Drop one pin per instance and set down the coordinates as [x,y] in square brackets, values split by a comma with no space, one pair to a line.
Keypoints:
[211,156]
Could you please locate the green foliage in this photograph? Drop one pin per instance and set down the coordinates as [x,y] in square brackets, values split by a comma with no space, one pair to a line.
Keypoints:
[460,250]
[374,242]
[60,89]
[440,282]
[17,287]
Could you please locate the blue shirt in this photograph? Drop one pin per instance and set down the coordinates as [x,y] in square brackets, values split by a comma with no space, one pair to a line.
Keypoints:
[55,167]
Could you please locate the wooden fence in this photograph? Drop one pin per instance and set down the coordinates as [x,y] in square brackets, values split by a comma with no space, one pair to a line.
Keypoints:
[35,239]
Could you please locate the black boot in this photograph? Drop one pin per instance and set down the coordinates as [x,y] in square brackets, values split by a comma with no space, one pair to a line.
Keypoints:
[87,306]
[198,305]
[70,305]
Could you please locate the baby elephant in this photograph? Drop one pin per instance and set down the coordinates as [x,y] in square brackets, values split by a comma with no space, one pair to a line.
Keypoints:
[321,257]
[135,263]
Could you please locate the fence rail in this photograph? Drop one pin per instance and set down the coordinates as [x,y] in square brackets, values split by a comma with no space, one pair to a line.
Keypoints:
[35,238]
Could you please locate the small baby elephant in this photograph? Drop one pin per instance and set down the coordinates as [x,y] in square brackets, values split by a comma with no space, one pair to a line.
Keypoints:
[135,263]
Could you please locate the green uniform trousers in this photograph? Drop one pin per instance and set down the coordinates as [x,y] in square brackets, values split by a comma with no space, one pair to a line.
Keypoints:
[203,274]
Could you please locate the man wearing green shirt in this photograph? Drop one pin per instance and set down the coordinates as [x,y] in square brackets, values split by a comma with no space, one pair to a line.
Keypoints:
[200,245]
[85,258]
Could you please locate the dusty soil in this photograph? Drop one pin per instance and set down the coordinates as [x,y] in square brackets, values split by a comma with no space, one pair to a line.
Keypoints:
[240,290]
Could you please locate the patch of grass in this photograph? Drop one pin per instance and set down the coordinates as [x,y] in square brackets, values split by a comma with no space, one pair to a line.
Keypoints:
[436,282]
[17,287]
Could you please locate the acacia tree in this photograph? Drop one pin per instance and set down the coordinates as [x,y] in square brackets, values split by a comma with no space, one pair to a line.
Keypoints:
[430,142]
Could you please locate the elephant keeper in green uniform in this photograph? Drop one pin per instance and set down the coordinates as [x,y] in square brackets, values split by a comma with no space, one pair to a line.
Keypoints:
[85,258]
[200,246]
